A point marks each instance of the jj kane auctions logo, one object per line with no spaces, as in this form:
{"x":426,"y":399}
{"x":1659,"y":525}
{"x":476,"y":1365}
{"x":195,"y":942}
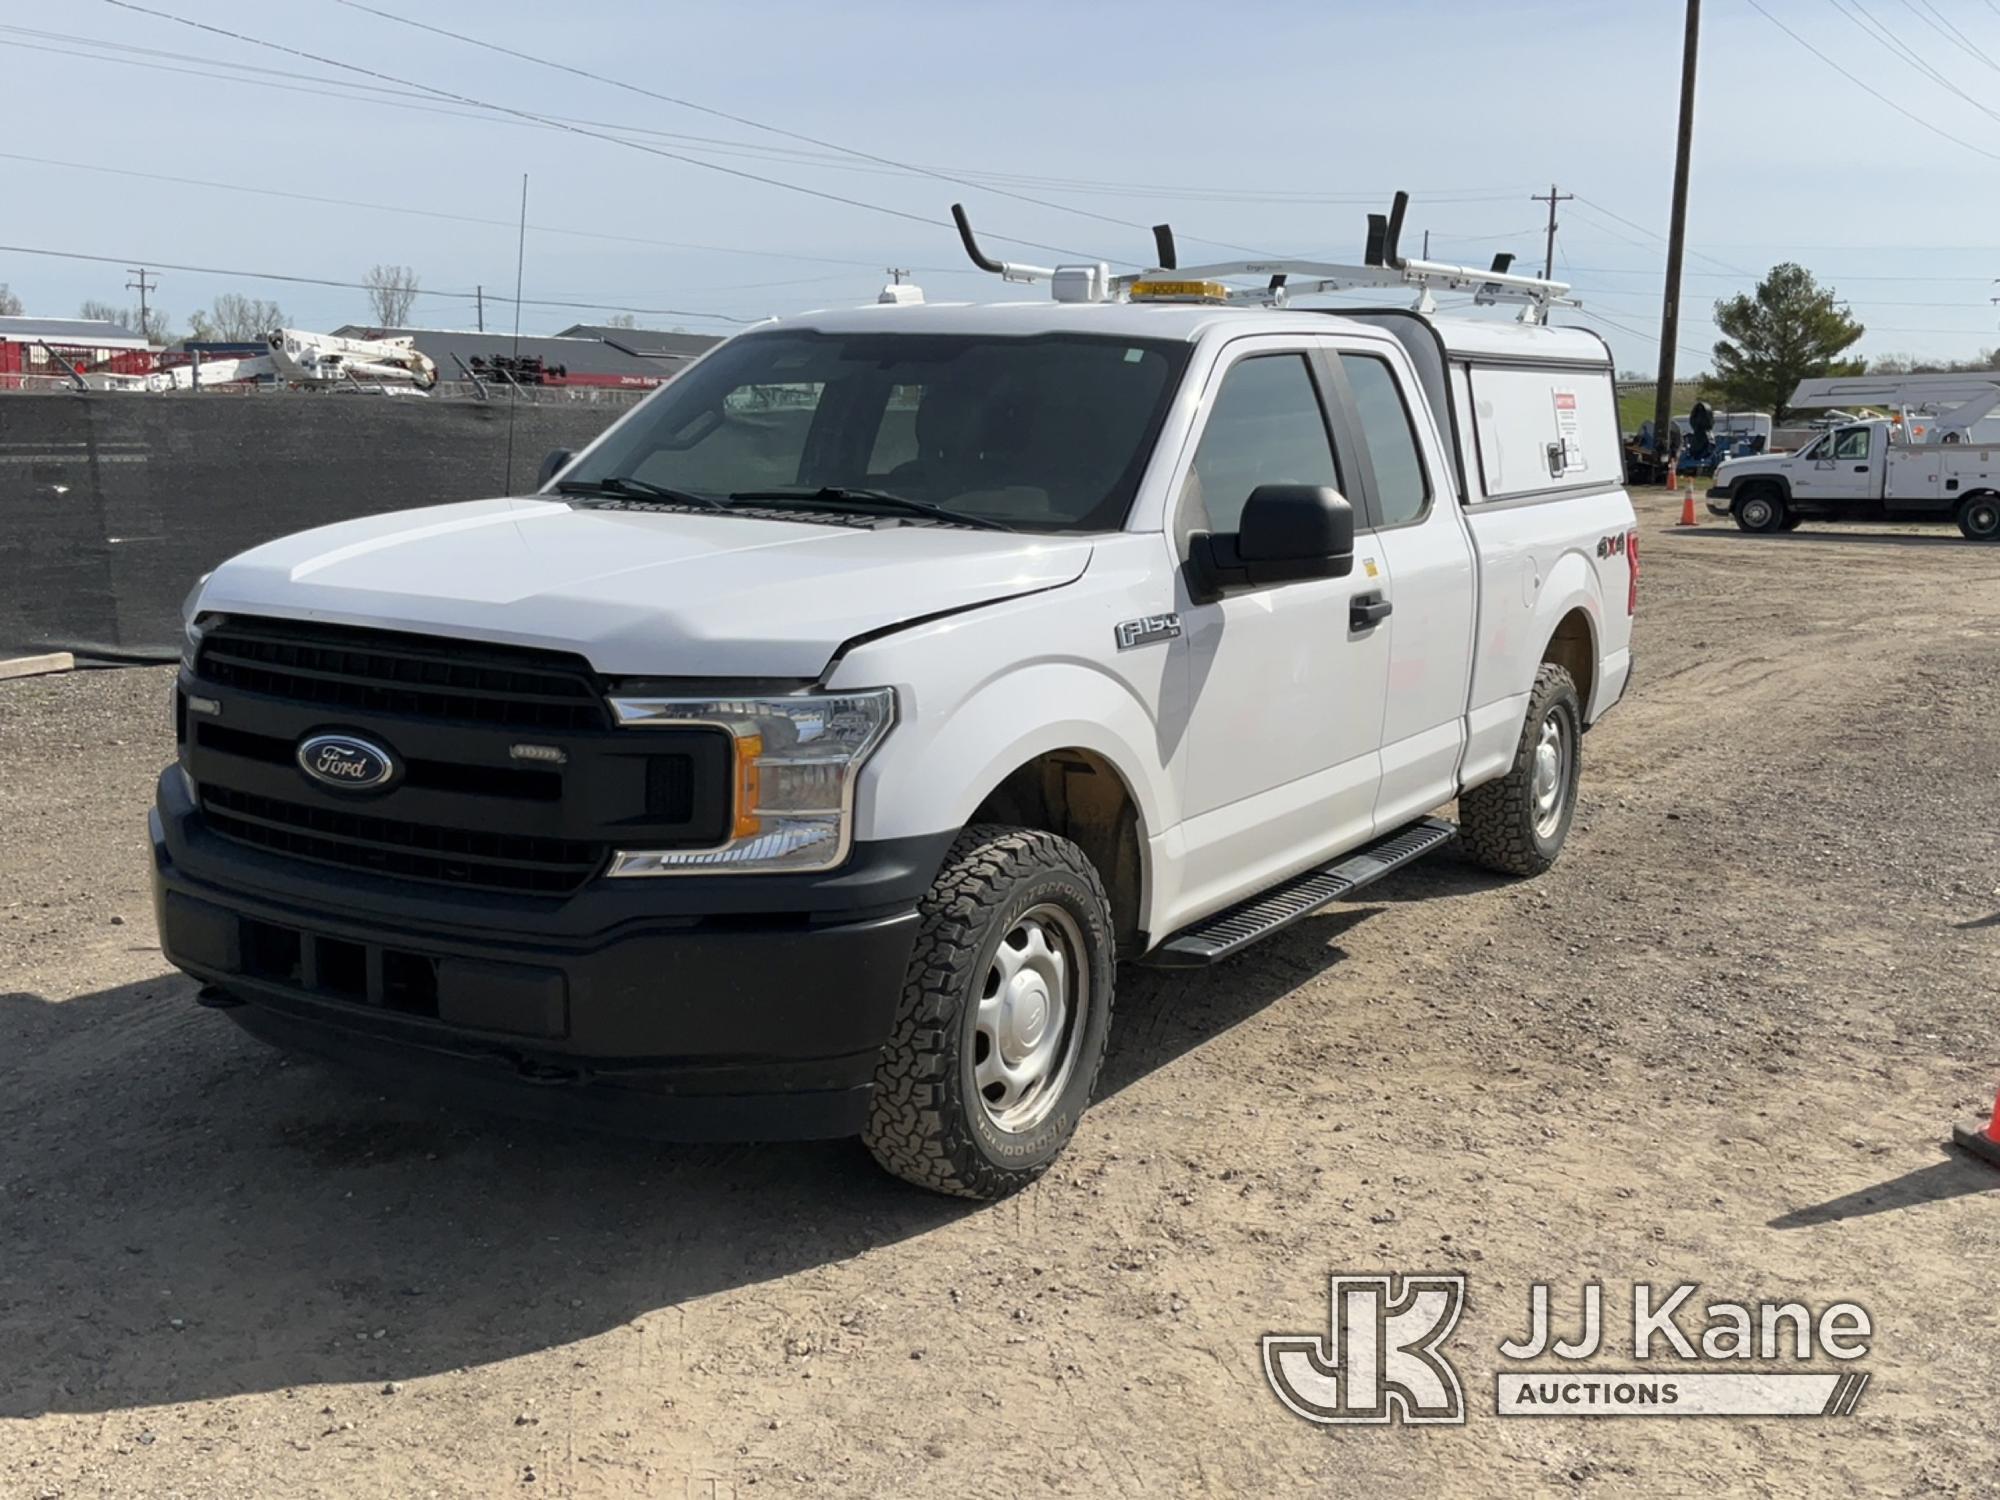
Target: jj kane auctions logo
{"x":1382,"y":1359}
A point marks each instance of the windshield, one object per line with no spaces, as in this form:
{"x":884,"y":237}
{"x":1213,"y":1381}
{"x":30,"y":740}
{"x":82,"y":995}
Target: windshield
{"x":1036,"y":434}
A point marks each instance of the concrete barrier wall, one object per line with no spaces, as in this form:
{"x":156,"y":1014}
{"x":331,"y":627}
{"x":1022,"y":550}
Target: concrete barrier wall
{"x":112,"y":505}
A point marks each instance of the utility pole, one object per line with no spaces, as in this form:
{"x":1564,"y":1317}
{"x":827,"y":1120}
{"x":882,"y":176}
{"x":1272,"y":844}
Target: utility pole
{"x":479,"y":300}
{"x":896,"y":275}
{"x":1552,"y":198}
{"x":142,"y":287}
{"x":1670,"y":311}
{"x":1427,"y":244}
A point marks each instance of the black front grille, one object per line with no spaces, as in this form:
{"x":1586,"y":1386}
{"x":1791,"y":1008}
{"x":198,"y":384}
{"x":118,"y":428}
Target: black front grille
{"x":412,"y":851}
{"x":382,"y":671}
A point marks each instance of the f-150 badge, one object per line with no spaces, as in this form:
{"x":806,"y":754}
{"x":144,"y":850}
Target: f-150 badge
{"x":1143,"y":632}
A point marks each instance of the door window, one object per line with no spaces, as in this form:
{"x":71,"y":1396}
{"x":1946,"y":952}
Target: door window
{"x":1852,"y":443}
{"x":1400,"y":484}
{"x":1266,"y":427}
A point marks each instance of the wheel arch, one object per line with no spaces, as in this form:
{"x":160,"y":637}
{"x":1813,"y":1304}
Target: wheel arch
{"x":1749,"y":484}
{"x":1081,"y":794}
{"x":1572,"y":645}
{"x":1569,"y":624}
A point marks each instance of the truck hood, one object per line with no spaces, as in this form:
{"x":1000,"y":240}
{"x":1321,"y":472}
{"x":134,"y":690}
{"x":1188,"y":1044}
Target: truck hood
{"x":655,"y":594}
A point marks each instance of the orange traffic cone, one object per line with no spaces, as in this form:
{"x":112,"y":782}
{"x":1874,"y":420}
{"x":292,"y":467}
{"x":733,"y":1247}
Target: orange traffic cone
{"x":1984,"y":1144}
{"x":1687,"y":506}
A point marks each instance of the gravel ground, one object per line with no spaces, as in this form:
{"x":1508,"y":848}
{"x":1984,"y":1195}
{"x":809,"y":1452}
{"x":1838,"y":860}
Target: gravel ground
{"x":1721,"y":1042}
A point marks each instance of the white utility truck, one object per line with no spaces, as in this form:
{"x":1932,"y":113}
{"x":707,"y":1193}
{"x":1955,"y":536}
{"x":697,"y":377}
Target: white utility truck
{"x":1934,"y":460}
{"x":802,"y":759}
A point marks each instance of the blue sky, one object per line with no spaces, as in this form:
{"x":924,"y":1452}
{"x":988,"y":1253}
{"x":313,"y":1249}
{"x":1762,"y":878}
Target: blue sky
{"x":1264,"y":125}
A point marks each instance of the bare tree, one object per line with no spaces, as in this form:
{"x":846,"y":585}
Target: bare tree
{"x":391,"y":291}
{"x":10,"y":305}
{"x":236,"y":319}
{"x":155,"y":327}
{"x":621,"y":320}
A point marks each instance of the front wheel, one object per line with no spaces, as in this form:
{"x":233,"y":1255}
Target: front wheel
{"x":1760,"y":511}
{"x":1004,"y":1016}
{"x":1979,"y":517}
{"x":1517,"y":825}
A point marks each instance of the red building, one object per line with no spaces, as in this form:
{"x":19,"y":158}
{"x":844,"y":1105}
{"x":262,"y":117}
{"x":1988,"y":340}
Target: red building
{"x":35,"y":349}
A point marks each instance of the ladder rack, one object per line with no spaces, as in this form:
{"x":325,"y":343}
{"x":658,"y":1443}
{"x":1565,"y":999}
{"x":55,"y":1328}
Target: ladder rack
{"x":1382,"y":266}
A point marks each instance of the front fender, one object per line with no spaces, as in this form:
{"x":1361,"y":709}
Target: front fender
{"x":933,"y":774}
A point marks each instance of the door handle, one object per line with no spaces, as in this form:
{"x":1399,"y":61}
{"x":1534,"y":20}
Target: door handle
{"x":1861,"y":468}
{"x":1366,"y":611}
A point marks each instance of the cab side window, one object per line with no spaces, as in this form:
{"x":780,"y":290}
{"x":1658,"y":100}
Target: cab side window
{"x":1265,"y":427}
{"x":1401,"y":486}
{"x":1852,"y":443}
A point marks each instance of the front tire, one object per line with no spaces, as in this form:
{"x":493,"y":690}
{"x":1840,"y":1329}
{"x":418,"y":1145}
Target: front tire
{"x":1762,"y":510}
{"x":1005,"y":1012}
{"x":1979,"y":517}
{"x":1517,"y":825}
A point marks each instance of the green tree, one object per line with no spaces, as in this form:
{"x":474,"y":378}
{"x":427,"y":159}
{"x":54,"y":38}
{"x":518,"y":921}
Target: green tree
{"x":1790,"y":329}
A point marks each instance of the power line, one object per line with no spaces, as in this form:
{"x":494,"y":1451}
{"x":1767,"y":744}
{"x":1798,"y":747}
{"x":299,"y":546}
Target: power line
{"x":897,"y":213}
{"x":1869,"y":89}
{"x":1653,"y":235}
{"x":1943,"y":27}
{"x":431,"y":213}
{"x":722,"y":114}
{"x":601,"y":306}
{"x":411,"y":99}
{"x":1882,"y":34}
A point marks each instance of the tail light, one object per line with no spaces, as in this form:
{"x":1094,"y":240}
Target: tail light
{"x":1632,"y":559}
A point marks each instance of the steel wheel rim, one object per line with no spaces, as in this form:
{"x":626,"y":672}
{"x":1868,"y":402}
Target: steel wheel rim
{"x":1553,"y":752}
{"x":1028,"y":1019}
{"x":1757,"y":513}
{"x":1985,"y":519}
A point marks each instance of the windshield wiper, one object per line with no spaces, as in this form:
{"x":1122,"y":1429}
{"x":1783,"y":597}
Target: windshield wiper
{"x":626,"y":489}
{"x":847,"y":495}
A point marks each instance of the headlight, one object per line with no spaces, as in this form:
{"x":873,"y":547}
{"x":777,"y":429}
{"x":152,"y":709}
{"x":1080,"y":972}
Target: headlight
{"x":190,"y":633}
{"x":795,"y":761}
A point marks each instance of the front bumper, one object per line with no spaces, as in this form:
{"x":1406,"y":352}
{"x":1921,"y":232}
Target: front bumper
{"x":659,"y":1005}
{"x":1720,"y":498}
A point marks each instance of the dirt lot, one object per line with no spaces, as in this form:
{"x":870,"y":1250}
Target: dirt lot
{"x":1721,"y":1043}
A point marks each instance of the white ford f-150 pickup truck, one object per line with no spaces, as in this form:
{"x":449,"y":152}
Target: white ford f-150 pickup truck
{"x":803,"y":758}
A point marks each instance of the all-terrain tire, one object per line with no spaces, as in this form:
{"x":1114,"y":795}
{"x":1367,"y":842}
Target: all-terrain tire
{"x":928,"y":1123}
{"x":1501,"y":824}
{"x":1979,"y":517}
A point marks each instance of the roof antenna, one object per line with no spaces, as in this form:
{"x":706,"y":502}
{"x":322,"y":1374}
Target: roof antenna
{"x":1163,"y":247}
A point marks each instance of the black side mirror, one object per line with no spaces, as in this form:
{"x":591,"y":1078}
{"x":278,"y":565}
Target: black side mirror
{"x":556,"y":461}
{"x":1289,"y":533}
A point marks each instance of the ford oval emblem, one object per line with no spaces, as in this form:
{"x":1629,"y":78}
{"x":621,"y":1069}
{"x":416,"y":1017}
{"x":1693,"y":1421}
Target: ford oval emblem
{"x":346,"y":761}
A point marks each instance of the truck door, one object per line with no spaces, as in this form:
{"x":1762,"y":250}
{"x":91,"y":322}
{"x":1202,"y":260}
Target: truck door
{"x":1286,"y":691}
{"x":1418,"y":540}
{"x":1845,"y":477}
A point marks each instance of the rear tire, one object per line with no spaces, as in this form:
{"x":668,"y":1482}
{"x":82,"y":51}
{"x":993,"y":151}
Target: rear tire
{"x":1761,"y":511}
{"x":1004,"y":1016}
{"x":1979,"y":517}
{"x":1517,"y":825}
